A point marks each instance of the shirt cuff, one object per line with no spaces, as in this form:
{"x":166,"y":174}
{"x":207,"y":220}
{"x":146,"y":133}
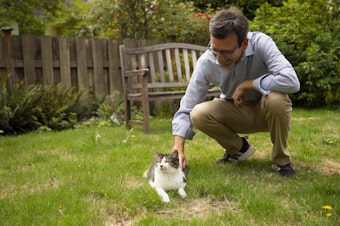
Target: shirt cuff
{"x":187,"y":134}
{"x":257,"y":84}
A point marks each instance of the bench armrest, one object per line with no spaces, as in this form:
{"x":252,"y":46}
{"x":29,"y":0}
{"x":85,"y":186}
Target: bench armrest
{"x":141,"y":72}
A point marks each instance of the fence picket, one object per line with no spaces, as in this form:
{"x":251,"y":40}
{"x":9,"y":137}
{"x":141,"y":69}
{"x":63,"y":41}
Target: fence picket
{"x":82,"y":76}
{"x":64,"y":59}
{"x":47,"y":60}
{"x":99,"y":79}
{"x":29,"y":59}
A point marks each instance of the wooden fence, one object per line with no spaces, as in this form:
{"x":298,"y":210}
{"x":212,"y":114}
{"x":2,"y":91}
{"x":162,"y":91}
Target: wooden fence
{"x":78,"y":62}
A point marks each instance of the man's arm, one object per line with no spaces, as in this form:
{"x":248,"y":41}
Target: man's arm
{"x":179,"y":146}
{"x":241,"y":89}
{"x":282,"y":77}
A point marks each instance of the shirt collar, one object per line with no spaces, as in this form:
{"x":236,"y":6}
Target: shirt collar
{"x":249,"y":50}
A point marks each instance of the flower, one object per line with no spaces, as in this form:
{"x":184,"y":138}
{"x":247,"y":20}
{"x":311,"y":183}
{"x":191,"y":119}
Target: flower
{"x":207,"y":16}
{"x":98,"y":137}
{"x":309,"y":119}
{"x":200,"y":15}
{"x":328,"y":214}
{"x":327,"y":207}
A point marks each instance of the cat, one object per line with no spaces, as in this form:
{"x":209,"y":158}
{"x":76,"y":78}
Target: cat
{"x":165,"y":174}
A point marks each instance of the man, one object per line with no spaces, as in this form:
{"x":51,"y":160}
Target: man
{"x":254,"y":79}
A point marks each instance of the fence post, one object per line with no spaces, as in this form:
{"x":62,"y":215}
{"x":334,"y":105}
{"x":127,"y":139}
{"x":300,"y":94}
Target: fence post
{"x":8,"y":42}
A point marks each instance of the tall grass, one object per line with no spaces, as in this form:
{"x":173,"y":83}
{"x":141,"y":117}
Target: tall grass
{"x":93,"y":176}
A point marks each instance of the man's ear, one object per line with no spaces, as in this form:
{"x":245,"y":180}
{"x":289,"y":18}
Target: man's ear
{"x":245,"y":43}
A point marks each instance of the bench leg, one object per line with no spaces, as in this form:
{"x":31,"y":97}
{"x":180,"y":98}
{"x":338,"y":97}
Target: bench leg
{"x":146,"y":115}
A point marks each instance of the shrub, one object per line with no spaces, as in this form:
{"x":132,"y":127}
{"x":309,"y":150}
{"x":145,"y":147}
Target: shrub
{"x":19,"y":112}
{"x":183,"y":21}
{"x":112,"y":108}
{"x":307,"y":32}
{"x":29,"y":108}
{"x":64,"y":106}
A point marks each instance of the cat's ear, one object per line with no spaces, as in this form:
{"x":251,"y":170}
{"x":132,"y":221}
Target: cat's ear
{"x":174,"y":154}
{"x":157,"y":154}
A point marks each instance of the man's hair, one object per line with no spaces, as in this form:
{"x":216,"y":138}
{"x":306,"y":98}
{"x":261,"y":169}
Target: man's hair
{"x":228,"y":21}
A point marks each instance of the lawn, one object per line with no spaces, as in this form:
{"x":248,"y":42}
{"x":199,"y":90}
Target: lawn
{"x":93,"y":176}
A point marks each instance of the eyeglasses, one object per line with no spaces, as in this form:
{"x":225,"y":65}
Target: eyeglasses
{"x":224,"y":53}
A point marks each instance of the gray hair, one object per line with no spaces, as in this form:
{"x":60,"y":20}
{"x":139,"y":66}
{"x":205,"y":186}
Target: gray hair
{"x":228,"y":21}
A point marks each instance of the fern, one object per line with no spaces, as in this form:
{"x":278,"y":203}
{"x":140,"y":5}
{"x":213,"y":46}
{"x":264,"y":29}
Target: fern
{"x":29,"y":108}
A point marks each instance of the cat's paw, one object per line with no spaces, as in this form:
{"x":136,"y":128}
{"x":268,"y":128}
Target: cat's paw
{"x":165,"y":199}
{"x":182,"y":193}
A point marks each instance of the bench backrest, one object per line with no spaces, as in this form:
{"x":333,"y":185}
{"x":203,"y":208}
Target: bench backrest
{"x":170,"y":64}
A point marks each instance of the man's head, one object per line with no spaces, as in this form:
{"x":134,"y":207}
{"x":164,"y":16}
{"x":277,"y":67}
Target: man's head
{"x":228,"y":35}
{"x":228,"y":21}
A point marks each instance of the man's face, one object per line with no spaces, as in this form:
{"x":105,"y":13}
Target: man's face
{"x":227,"y":51}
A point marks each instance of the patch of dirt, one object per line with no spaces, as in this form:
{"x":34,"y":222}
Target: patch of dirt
{"x":119,"y":221}
{"x":331,"y":167}
{"x":200,"y":208}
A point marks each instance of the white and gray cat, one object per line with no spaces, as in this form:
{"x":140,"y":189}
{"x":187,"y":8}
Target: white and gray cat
{"x":165,"y":174}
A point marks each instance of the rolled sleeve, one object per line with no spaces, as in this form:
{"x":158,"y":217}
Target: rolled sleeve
{"x":181,"y":127}
{"x":285,"y":81}
{"x":257,"y":84}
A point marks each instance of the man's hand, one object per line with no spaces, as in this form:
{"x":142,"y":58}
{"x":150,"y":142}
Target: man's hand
{"x":179,"y":146}
{"x":241,"y":89}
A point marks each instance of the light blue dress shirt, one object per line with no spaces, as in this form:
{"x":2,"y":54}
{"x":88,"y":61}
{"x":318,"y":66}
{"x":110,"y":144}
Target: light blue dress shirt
{"x":262,"y":62}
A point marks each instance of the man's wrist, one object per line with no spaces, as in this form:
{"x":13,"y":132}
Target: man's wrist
{"x":179,"y":143}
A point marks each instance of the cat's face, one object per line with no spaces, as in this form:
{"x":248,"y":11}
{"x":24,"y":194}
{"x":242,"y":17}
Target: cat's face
{"x":166,"y":161}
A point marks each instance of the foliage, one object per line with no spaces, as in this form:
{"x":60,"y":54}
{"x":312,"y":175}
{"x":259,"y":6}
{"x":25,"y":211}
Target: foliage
{"x":308,"y":33}
{"x":71,"y":20}
{"x":19,"y":112}
{"x":29,"y":108}
{"x":115,"y":18}
{"x":30,"y":15}
{"x":112,"y":109}
{"x":62,"y":107}
{"x":134,"y":19}
{"x":183,"y":21}
{"x":113,"y":103}
{"x":247,"y":6}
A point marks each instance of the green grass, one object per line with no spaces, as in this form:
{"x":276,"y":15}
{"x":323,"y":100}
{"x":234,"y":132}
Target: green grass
{"x":93,"y":176}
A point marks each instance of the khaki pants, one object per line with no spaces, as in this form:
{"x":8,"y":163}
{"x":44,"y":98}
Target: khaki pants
{"x":222,"y":120}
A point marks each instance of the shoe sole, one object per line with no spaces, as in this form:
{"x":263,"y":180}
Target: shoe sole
{"x":246,"y":155}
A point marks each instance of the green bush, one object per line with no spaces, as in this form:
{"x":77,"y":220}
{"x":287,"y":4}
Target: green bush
{"x":308,"y":34}
{"x":44,"y":107}
{"x":135,"y":20}
{"x":183,"y":21}
{"x":19,"y":112}
{"x":63,"y":106}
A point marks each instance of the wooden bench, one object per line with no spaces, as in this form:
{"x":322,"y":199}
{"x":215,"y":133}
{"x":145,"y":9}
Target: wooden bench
{"x":157,"y":72}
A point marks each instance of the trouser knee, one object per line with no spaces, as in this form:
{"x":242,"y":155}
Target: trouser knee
{"x":276,"y":103}
{"x":199,"y":115}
